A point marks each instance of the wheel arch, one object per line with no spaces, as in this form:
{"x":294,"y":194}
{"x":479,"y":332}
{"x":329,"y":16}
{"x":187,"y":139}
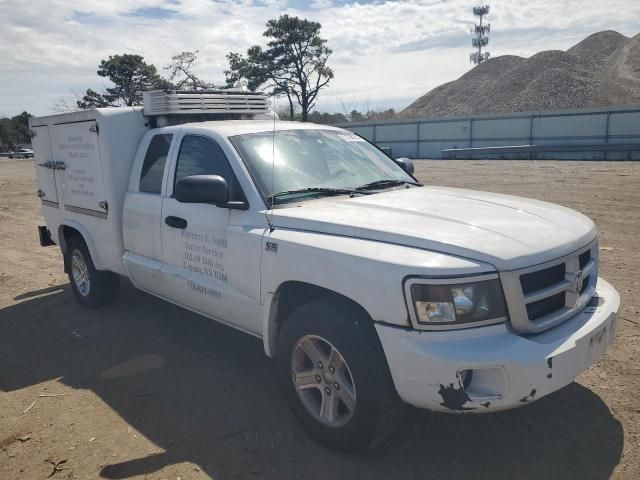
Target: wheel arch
{"x":290,"y":295}
{"x":68,"y":229}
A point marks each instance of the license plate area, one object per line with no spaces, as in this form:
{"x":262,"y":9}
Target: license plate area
{"x":599,"y":341}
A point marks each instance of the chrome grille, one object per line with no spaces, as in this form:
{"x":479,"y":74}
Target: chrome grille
{"x":543,"y":296}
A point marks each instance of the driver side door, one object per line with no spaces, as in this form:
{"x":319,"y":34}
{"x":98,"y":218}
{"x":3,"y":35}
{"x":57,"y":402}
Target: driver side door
{"x":200,"y":261}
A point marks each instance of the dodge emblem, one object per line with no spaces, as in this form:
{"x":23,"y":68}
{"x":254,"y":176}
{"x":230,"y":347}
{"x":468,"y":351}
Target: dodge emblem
{"x":578,"y":281}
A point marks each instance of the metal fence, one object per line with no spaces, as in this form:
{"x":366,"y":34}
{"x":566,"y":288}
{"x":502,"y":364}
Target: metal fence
{"x":536,"y":132}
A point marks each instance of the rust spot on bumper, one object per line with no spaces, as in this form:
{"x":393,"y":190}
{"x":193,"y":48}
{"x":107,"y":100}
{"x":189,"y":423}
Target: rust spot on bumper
{"x":454,"y":398}
{"x":529,"y":397}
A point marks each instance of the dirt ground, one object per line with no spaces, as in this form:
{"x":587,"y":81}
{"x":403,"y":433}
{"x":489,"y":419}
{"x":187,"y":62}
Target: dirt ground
{"x":144,"y":389}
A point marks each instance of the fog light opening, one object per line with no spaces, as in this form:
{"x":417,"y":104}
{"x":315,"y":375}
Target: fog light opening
{"x":484,"y":383}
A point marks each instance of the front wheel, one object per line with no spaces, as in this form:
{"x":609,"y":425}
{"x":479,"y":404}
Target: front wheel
{"x":91,"y":287}
{"x":335,"y":377}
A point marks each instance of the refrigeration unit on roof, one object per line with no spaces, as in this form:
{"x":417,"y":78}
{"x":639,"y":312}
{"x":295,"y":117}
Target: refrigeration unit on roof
{"x":210,"y":102}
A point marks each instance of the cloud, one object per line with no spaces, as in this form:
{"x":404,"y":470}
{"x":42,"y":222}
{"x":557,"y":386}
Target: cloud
{"x":443,"y":41}
{"x":153,"y":12}
{"x":384,"y":51}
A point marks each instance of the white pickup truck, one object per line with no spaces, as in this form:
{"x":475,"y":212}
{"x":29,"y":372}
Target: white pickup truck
{"x":369,"y":290}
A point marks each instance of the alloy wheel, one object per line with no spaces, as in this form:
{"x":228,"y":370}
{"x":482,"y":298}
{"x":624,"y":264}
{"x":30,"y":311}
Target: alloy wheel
{"x":80,"y":273}
{"x":323,"y":381}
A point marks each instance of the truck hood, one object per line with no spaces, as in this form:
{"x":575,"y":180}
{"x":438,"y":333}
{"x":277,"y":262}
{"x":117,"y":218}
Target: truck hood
{"x":506,"y":231}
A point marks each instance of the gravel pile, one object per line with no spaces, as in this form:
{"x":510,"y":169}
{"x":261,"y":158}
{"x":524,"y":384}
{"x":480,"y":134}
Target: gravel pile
{"x":602,"y":70}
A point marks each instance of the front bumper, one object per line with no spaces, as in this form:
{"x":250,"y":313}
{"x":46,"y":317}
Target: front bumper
{"x":508,"y":370}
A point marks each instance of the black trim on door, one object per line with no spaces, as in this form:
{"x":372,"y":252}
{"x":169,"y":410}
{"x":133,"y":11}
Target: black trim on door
{"x":176,"y":222}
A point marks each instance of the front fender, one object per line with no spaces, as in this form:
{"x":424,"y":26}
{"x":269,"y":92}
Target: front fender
{"x":368,"y":272}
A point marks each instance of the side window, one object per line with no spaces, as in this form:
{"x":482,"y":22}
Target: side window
{"x":153,"y":165}
{"x":202,"y":156}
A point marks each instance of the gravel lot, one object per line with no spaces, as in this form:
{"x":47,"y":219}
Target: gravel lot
{"x":143,"y":389}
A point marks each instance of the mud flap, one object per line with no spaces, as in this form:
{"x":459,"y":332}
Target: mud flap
{"x":45,"y":236}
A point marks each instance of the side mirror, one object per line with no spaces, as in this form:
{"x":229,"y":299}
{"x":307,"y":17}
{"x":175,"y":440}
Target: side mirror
{"x":406,"y":164}
{"x":211,"y":189}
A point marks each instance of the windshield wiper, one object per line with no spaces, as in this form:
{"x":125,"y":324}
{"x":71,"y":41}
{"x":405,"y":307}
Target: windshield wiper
{"x":316,"y":190}
{"x":378,"y":184}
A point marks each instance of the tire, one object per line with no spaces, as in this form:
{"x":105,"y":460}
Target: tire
{"x":91,"y":287}
{"x":333,"y":328}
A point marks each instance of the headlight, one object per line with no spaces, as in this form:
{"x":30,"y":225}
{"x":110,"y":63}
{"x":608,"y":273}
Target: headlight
{"x":436,"y":304}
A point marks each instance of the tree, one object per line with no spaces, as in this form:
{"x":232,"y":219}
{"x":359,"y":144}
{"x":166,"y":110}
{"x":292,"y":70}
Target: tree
{"x":93,"y":99}
{"x":130,"y":76}
{"x":15,"y":130}
{"x":181,"y":72}
{"x":293,"y":64}
{"x":327,"y":118}
{"x":356,"y":116}
{"x":256,"y":71}
{"x":20,"y":124}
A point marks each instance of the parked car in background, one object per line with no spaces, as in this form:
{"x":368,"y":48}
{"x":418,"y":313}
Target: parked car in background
{"x":21,"y":153}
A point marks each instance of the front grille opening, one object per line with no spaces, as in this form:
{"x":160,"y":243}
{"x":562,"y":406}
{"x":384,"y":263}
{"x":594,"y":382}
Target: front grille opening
{"x":545,"y":306}
{"x":542,"y":278}
{"x":584,"y":258}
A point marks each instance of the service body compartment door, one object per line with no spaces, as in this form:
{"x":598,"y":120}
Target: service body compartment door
{"x":76,"y":156}
{"x":44,"y":165}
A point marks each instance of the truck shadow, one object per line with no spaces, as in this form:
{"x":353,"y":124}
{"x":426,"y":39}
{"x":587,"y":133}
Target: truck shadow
{"x":206,"y":394}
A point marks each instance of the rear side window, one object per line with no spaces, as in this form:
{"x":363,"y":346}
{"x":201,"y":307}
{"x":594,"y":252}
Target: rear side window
{"x":154,"y":161}
{"x":203,"y":156}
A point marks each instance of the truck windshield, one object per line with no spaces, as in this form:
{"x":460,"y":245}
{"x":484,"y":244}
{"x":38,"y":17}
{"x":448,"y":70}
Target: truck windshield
{"x":297,"y":160}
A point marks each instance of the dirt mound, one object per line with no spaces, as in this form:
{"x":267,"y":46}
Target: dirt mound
{"x":601,"y":70}
{"x":599,"y":46}
{"x":460,"y":96}
{"x":621,"y":84}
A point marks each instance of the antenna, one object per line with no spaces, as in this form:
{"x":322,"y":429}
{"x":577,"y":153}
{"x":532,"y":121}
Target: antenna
{"x":273,"y":168}
{"x":273,"y":148}
{"x":480,"y":39}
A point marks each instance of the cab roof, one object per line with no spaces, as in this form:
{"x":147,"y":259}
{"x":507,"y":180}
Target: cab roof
{"x":229,"y":128}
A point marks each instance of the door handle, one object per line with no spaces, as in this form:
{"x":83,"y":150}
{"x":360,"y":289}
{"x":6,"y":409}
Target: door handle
{"x":176,"y":222}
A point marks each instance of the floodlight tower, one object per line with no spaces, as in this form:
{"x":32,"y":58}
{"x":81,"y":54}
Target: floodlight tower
{"x":480,"y":39}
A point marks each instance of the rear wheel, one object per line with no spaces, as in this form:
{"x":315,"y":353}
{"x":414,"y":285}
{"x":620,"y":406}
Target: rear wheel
{"x":335,"y":377}
{"x":91,"y":287}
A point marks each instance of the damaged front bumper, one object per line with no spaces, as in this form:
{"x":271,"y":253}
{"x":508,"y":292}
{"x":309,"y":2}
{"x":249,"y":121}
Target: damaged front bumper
{"x":493,"y":368}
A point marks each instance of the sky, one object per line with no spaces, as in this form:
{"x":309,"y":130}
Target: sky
{"x":385,"y":53}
